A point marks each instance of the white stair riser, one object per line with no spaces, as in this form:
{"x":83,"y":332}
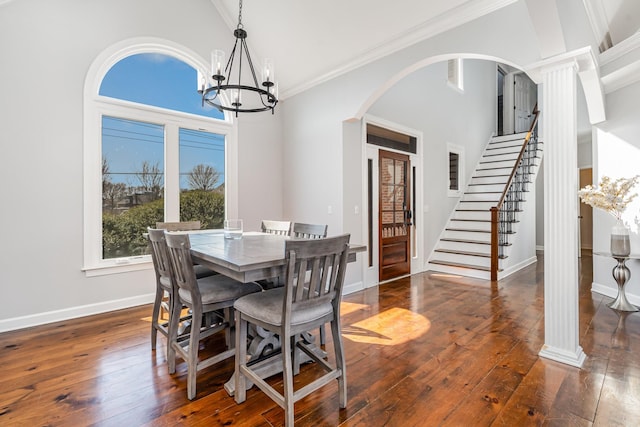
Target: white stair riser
{"x":476,"y":205}
{"x":478,"y":274}
{"x":504,"y":164}
{"x":503,"y":148}
{"x":492,"y":172}
{"x":507,"y":157}
{"x":466,"y":235}
{"x":470,"y":225}
{"x":505,"y":138}
{"x":481,"y":197}
{"x":468,"y":247}
{"x":495,"y":188}
{"x":502,"y":180}
{"x":485,"y":215}
{"x":462,"y":259}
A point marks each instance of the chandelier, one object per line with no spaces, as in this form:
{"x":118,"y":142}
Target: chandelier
{"x":244,"y":96}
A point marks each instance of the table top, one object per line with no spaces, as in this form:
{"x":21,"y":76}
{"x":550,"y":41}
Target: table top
{"x":255,"y":256}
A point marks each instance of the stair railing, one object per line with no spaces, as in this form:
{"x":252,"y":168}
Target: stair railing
{"x":503,"y":215}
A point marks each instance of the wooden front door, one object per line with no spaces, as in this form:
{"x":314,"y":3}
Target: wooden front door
{"x":394,"y":215}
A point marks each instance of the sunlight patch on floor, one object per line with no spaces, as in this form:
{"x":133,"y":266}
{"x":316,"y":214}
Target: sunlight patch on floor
{"x":351,"y":307}
{"x":391,"y":327}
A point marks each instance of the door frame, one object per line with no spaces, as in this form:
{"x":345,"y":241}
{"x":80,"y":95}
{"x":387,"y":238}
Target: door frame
{"x":370,"y":152}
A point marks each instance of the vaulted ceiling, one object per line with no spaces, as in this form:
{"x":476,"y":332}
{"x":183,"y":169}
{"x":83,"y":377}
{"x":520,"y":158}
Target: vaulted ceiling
{"x":313,"y":41}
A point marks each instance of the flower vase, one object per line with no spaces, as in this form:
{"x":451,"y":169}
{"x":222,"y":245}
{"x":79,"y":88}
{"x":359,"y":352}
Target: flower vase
{"x":620,"y":245}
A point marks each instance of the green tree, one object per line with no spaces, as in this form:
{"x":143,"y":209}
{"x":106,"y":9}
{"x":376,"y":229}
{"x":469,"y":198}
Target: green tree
{"x":204,"y":206}
{"x":122,"y":235}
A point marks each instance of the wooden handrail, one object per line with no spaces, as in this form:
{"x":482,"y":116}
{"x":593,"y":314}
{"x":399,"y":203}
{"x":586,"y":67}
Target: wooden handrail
{"x":496,"y":209}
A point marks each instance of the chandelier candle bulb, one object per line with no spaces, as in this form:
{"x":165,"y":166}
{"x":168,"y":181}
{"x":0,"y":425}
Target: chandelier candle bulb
{"x":268,"y":73}
{"x":217,"y":59}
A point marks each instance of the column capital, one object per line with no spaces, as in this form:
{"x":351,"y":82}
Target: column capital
{"x":586,"y":65}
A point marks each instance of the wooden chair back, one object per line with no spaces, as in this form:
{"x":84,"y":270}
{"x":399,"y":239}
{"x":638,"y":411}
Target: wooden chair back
{"x":315,"y":272}
{"x":276,"y":227}
{"x":308,"y":231}
{"x":179,"y":225}
{"x":160,"y":257}
{"x":179,"y":248}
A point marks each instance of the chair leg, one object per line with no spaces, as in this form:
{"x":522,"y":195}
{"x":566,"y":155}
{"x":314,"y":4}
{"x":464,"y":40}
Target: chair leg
{"x":295,"y":354}
{"x":155,"y":316}
{"x":174,"y":323}
{"x":323,"y":335}
{"x":192,"y":357}
{"x":240,"y":393}
{"x":230,"y":331}
{"x":287,"y":379}
{"x":340,"y":362}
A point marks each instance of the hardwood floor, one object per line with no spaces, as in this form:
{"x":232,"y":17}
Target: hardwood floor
{"x":427,"y":350}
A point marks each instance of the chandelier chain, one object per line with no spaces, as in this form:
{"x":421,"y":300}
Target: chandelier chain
{"x":240,"y":16}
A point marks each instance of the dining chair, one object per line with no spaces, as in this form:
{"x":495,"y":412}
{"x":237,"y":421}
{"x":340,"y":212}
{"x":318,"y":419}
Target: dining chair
{"x":201,"y":271}
{"x":211,"y":297}
{"x":308,"y":231}
{"x":276,"y":227}
{"x":164,"y":284}
{"x":301,"y":230}
{"x":311,"y":296}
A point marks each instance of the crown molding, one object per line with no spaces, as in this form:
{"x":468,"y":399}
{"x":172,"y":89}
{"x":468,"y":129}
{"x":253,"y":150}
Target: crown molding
{"x":432,"y":27}
{"x":621,"y":49}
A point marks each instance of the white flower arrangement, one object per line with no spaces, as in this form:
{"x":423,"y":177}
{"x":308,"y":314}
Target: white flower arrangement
{"x":612,"y":196}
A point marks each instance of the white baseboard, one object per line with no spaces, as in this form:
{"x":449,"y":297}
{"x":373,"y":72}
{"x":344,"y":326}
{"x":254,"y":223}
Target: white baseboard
{"x":539,"y":248}
{"x":610,"y":292}
{"x":352,"y":287}
{"x":73,"y":312}
{"x":512,"y":269}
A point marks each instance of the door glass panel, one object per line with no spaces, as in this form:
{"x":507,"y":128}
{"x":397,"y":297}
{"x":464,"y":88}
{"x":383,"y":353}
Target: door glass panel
{"x":399,"y":170}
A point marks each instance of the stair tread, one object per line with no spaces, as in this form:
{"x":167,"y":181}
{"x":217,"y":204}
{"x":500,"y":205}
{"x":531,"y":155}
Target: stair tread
{"x":501,"y":154}
{"x":468,"y":230}
{"x":489,"y":183}
{"x":474,"y":242}
{"x":461,"y":265}
{"x":470,"y":220}
{"x":470,"y":241}
{"x":489,"y":176}
{"x":469,"y":253}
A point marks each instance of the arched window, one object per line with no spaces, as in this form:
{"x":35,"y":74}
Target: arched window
{"x":153,"y":153}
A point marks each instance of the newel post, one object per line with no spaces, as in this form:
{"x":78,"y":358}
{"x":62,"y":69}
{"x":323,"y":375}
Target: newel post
{"x":494,"y":244}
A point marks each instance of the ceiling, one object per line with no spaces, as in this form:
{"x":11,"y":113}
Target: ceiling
{"x":314,"y":41}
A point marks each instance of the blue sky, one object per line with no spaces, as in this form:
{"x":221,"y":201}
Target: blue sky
{"x":161,"y":81}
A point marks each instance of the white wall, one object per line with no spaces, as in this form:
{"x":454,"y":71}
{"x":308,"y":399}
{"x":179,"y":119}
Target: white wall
{"x":313,"y":133}
{"x":617,"y":154}
{"x":47,"y":48}
{"x":425,"y":102}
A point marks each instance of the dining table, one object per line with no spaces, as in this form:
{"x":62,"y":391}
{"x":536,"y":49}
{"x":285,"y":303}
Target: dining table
{"x":253,"y":257}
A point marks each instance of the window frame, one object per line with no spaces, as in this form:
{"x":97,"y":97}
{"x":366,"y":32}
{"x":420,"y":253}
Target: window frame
{"x":459,"y":150}
{"x":97,"y":106}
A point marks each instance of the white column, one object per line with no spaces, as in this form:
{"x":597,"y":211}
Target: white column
{"x":561,"y":279}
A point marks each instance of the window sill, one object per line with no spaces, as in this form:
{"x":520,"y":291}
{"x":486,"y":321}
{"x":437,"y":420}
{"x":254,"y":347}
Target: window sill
{"x":120,"y":266}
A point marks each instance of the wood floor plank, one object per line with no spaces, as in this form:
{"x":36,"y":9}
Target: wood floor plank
{"x":429,"y":349}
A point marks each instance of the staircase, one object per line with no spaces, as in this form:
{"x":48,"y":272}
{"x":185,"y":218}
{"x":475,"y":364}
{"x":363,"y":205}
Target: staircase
{"x":464,"y":247}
